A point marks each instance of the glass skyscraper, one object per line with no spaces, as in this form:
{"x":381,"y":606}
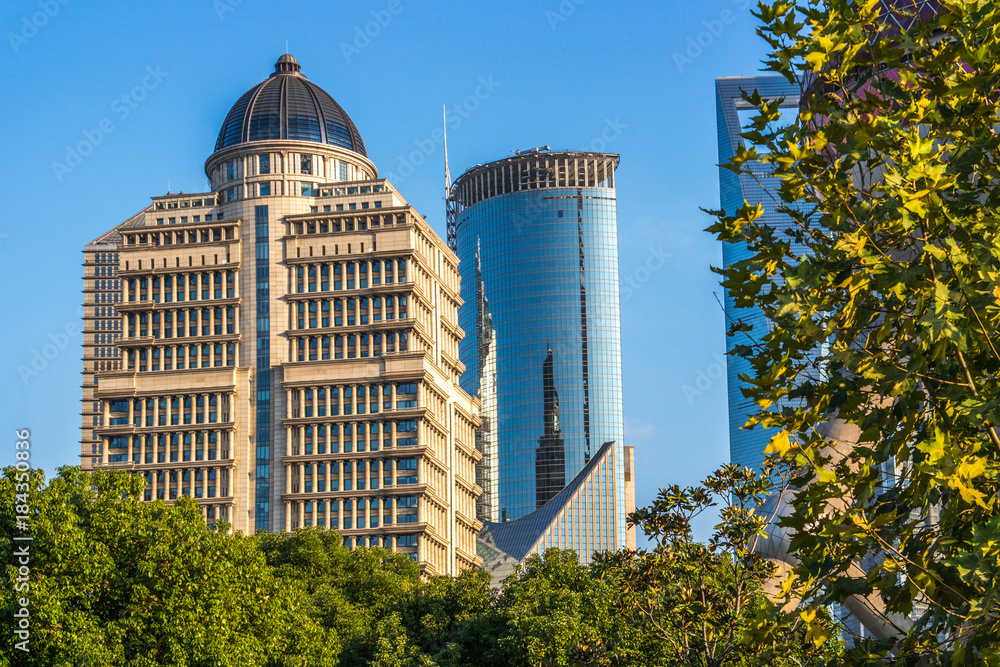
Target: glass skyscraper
{"x":746,"y":447}
{"x":538,"y":242}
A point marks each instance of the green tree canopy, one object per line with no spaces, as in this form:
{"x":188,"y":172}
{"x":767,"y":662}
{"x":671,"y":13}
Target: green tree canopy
{"x":881,"y":370}
{"x":117,"y":581}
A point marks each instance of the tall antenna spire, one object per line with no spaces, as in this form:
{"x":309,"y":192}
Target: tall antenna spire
{"x":447,"y":173}
{"x":450,"y":205}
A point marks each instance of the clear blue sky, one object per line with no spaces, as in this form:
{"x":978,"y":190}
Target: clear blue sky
{"x":561,"y":73}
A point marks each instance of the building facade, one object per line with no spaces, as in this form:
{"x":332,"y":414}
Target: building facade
{"x":746,"y":447}
{"x":576,"y":517}
{"x":286,"y":346}
{"x":537,"y":238}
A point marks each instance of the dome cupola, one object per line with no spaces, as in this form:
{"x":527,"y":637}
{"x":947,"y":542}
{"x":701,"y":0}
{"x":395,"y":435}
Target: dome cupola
{"x":289,"y":106}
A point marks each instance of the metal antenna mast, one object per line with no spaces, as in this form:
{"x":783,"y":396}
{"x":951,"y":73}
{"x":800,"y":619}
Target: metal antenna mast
{"x":451,"y":206}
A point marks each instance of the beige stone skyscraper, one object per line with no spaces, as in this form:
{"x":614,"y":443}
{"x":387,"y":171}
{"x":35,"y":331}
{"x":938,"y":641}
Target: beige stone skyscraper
{"x":284,"y":348}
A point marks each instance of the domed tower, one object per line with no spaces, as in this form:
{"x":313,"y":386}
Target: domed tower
{"x":285,"y":135}
{"x":288,"y":347}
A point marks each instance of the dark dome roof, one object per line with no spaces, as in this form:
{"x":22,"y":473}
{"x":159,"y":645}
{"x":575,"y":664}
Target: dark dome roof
{"x":289,"y":106}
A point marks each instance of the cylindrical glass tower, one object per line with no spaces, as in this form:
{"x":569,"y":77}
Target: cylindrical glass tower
{"x":537,"y":237}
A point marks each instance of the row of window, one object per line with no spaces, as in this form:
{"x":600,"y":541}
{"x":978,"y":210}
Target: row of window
{"x":101,"y":352}
{"x":199,"y":492}
{"x":180,"y":237}
{"x":345,"y":224}
{"x":174,"y":402}
{"x":210,"y":454}
{"x":315,"y":401}
{"x":309,"y":165}
{"x":312,"y":190}
{"x":183,"y":322}
{"x":106,"y":257}
{"x":318,"y":275}
{"x":358,"y":311}
{"x":161,"y":441}
{"x":404,"y":513}
{"x":322,"y":348}
{"x":189,"y":286}
{"x":184,"y":219}
{"x":359,"y":437}
{"x":197,"y":475}
{"x":185,"y":203}
{"x":180,"y":357}
{"x":406,"y":474}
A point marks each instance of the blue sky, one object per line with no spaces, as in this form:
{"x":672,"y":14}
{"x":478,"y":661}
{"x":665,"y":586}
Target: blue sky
{"x":149,"y":84}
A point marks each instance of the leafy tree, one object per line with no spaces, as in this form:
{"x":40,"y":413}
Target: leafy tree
{"x":116,"y":581}
{"x":705,"y":602}
{"x":551,"y":606}
{"x":884,"y":354}
{"x":354,"y":594}
{"x":455,"y":620}
{"x":375,"y":600}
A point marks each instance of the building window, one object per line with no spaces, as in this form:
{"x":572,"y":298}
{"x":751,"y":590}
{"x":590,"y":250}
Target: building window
{"x":305,"y":164}
{"x":265,"y":164}
{"x":265,"y":189}
{"x":231,"y":170}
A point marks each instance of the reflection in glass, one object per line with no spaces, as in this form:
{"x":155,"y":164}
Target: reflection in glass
{"x":550,"y":461}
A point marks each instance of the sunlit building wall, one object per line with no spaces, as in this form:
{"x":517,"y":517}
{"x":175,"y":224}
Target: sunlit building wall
{"x":283,"y":349}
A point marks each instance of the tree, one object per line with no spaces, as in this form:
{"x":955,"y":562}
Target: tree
{"x":554,"y":609}
{"x":352,"y":593}
{"x":455,"y":620}
{"x":881,"y":370}
{"x":375,"y":600}
{"x":116,"y":581}
{"x":705,"y":602}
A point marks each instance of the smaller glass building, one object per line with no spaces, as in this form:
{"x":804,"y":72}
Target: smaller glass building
{"x":537,"y":237}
